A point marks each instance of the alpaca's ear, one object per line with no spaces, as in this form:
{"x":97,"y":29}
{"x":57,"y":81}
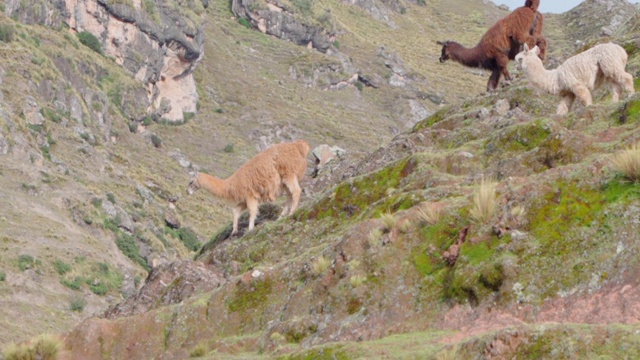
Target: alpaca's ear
{"x":440,"y":43}
{"x":536,"y":50}
{"x":526,"y":47}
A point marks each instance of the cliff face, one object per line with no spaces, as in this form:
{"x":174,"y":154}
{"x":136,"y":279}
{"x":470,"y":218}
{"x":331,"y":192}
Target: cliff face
{"x":156,"y":44}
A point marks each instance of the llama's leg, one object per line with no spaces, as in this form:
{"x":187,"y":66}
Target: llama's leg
{"x":492,"y":84}
{"x":565,"y":104}
{"x":286,"y":206}
{"x":616,"y":90}
{"x":583,"y":93}
{"x":293,"y":188}
{"x":252,"y":205}
{"x":503,"y":62}
{"x":237,"y":210}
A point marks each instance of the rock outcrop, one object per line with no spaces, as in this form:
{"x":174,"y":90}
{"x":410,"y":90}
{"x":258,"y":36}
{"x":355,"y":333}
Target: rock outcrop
{"x":157,"y":45}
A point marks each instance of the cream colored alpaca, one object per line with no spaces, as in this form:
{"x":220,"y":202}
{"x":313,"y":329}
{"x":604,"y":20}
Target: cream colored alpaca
{"x":580,"y":74}
{"x":261,"y":179}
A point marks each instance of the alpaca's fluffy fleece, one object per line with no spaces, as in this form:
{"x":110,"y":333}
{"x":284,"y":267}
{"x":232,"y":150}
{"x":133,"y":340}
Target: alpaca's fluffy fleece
{"x":261,"y":179}
{"x":580,"y":74}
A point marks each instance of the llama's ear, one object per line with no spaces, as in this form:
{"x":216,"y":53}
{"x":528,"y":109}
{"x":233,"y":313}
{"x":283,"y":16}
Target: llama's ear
{"x":526,"y":47}
{"x":440,"y":43}
{"x":536,"y":50}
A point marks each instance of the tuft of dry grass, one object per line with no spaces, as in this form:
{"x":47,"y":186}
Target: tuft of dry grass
{"x":43,"y":347}
{"x":390,"y":221}
{"x":320,"y":265}
{"x":484,"y":201}
{"x":357,"y":280}
{"x":429,"y":213}
{"x":627,"y":162}
{"x":199,"y":351}
{"x":374,"y":237}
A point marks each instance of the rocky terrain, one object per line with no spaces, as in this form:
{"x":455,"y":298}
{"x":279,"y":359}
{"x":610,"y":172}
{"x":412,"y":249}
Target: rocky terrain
{"x":106,"y":106}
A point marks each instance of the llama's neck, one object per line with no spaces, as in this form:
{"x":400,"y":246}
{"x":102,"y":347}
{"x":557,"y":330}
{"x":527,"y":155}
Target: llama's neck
{"x":540,"y":77}
{"x":473,"y":57}
{"x":214,"y":185}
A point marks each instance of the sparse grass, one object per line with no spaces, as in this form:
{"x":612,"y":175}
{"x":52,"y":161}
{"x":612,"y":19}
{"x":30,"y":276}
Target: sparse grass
{"x":429,"y":213}
{"x":484,"y":201}
{"x":43,"y":347}
{"x":627,"y":162}
{"x":7,"y":32}
{"x":320,"y":265}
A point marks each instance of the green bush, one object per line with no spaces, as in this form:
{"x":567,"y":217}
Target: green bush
{"x":26,"y":262}
{"x":156,"y":140}
{"x":3,"y":276}
{"x":61,"y":267}
{"x":90,"y":41}
{"x":228,"y":148}
{"x":127,"y":244}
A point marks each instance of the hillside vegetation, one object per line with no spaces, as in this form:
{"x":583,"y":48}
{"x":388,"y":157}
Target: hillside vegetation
{"x":485,"y":228}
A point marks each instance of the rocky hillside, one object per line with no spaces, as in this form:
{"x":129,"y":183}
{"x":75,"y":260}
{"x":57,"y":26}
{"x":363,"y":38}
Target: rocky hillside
{"x":387,"y":256}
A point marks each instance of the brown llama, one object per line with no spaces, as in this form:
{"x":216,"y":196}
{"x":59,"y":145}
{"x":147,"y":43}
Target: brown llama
{"x":261,"y":179}
{"x":501,"y":43}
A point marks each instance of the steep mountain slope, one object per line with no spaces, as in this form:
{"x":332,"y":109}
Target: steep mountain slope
{"x":91,"y":167}
{"x":358,"y":261}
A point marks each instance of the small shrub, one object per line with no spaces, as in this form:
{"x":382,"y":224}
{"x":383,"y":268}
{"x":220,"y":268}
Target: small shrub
{"x":219,"y":110}
{"x":484,"y":201}
{"x":91,"y":41}
{"x":77,"y":303}
{"x":61,"y":267}
{"x":320,"y":265}
{"x":7,"y":32}
{"x":26,"y":262}
{"x":3,"y":276}
{"x":228,"y":148}
{"x":627,"y":162}
{"x":359,"y":85}
{"x":156,"y":140}
{"x":111,"y":198}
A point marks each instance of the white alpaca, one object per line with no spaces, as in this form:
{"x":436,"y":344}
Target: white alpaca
{"x":261,"y":179}
{"x":580,"y":74}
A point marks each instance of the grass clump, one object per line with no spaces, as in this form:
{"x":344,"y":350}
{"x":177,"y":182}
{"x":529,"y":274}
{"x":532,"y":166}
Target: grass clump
{"x":429,"y":213}
{"x":484,"y":201}
{"x":199,"y":351}
{"x":357,"y":280}
{"x":250,"y":296}
{"x":26,"y":262}
{"x":627,"y":162}
{"x":320,"y":265}
{"x":3,"y":276}
{"x":390,"y":221}
{"x":127,"y":244}
{"x":43,"y":347}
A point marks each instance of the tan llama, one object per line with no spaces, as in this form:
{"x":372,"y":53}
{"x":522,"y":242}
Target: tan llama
{"x":261,"y":179}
